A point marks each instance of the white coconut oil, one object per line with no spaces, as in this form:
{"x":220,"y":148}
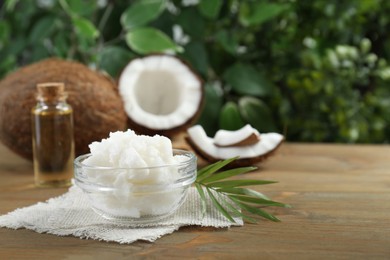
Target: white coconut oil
{"x":140,"y":171}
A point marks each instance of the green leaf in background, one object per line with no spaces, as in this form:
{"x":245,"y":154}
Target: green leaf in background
{"x":195,"y":52}
{"x":192,"y":23}
{"x":141,"y":13}
{"x":246,"y":80}
{"x":227,"y":41}
{"x":6,"y":62}
{"x":17,"y":46}
{"x":78,"y":8}
{"x":230,"y":118}
{"x":257,"y":113}
{"x":61,"y":41}
{"x":9,"y":53}
{"x":212,"y":106}
{"x":210,"y":8}
{"x":259,"y":12}
{"x":39,"y":52}
{"x":148,"y":40}
{"x":85,"y":28}
{"x":4,"y":33}
{"x":113,"y":59}
{"x":41,"y":29}
{"x":10,"y":5}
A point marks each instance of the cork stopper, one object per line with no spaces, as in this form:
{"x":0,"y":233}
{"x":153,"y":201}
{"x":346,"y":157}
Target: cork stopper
{"x":51,"y":91}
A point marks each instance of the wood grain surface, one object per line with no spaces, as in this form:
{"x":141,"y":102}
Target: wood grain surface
{"x":341,"y":210}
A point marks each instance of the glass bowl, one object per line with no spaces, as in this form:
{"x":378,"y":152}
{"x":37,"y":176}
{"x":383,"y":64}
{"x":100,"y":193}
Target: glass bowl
{"x":137,"y":195}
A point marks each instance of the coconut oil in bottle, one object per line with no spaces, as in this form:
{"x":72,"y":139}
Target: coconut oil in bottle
{"x":52,"y":135}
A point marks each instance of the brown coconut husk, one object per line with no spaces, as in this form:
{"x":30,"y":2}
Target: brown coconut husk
{"x":98,"y":109}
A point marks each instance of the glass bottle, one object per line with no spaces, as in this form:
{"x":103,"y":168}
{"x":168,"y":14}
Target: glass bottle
{"x":52,"y":135}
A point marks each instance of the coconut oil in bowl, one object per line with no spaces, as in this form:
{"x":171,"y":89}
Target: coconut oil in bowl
{"x":137,"y":195}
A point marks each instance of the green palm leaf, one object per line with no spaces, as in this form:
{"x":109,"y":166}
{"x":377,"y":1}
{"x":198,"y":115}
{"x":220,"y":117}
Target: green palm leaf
{"x":259,"y":201}
{"x":243,"y":191}
{"x":220,"y":207}
{"x":229,"y":197}
{"x":204,"y":173}
{"x":235,"y":211}
{"x":238,"y":183}
{"x":202,"y":197}
{"x":227,"y":174}
{"x":256,"y":211}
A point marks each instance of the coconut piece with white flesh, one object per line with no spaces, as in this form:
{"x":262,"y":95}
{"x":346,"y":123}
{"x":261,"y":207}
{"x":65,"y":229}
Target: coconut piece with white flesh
{"x":249,"y":154}
{"x":246,"y":135}
{"x":161,"y":94}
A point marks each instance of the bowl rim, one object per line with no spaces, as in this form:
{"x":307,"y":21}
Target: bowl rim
{"x":192,"y":158}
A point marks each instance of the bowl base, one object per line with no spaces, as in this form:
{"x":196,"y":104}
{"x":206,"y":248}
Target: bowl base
{"x":131,"y":220}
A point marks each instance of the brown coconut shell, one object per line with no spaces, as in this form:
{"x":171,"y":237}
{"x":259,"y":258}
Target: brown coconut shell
{"x":98,"y":109}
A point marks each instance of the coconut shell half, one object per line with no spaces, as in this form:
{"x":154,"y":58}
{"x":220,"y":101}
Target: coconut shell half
{"x":98,"y":109}
{"x":161,"y":94}
{"x":247,"y":155}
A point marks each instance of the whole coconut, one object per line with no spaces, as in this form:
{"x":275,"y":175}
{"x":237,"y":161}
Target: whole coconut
{"x":98,"y":109}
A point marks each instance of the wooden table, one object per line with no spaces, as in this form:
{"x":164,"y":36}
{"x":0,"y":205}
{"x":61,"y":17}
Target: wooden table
{"x":341,"y":210}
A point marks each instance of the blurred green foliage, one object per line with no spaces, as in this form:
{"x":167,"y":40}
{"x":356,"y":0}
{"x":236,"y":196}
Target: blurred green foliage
{"x":313,"y":70}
